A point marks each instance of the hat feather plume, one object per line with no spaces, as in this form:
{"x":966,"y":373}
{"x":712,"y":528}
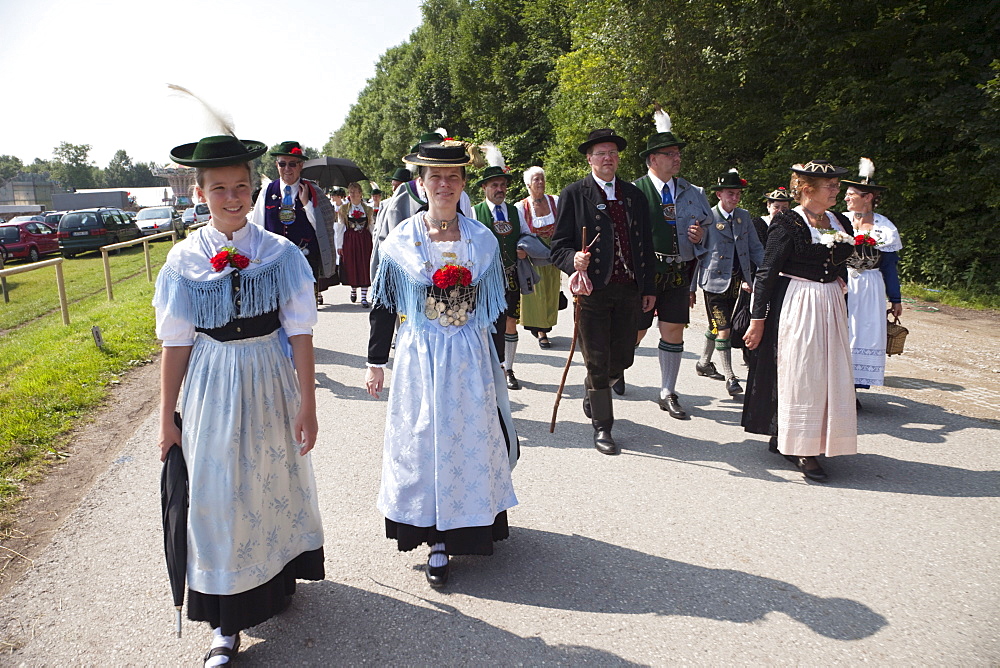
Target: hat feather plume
{"x":662,"y":120}
{"x":494,"y":158}
{"x":221,"y":123}
{"x":866,"y":168}
{"x":442,"y":132}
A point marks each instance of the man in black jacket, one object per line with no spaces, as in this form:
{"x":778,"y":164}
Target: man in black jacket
{"x":620,"y":263}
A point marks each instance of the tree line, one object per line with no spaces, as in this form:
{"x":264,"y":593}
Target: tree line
{"x":72,"y":168}
{"x":753,"y":84}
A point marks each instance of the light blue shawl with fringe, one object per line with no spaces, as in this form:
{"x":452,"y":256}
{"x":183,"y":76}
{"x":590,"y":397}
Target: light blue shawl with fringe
{"x":406,"y":268}
{"x":188,"y":288}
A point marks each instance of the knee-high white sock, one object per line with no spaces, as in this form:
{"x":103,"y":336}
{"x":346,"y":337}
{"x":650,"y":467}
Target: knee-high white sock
{"x":437,"y":559}
{"x":670,"y":364}
{"x":706,"y":355}
{"x":726,"y":357}
{"x":509,"y":350}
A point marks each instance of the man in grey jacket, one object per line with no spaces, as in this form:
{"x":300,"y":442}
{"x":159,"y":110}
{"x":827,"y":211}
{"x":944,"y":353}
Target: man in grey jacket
{"x":733,"y":253}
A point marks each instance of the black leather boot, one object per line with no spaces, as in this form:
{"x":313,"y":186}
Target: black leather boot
{"x":603,"y":419}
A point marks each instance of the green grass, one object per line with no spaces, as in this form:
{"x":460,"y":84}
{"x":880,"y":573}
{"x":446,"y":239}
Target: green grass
{"x":52,"y":375}
{"x":959,"y":297}
{"x":34,"y":293}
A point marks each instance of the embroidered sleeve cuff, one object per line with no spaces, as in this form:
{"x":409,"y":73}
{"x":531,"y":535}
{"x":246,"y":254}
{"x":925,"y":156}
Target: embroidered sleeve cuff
{"x":374,"y":366}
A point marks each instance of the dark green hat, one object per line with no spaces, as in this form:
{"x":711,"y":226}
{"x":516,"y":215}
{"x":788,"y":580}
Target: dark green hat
{"x":779,"y":194}
{"x":443,"y":154}
{"x":217,"y":151}
{"x":662,"y":140}
{"x":427,"y":138}
{"x":290,"y":148}
{"x":730,"y":179}
{"x":401,"y":174}
{"x":600,"y":136}
{"x":376,"y":191}
{"x":819,"y":168}
{"x":492,"y":173}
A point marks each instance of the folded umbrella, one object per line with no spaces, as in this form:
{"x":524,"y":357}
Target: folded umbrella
{"x":174,"y":504}
{"x":329,"y":172}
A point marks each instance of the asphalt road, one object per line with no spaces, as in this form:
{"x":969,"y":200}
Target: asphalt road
{"x":695,"y":545}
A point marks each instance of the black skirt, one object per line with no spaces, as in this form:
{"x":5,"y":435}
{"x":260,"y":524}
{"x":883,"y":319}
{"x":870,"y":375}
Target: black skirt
{"x":465,"y":540}
{"x":760,"y":402}
{"x":235,"y":612}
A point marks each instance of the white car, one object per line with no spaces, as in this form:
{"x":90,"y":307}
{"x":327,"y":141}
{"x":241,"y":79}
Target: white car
{"x":157,"y":219}
{"x":196,"y":214}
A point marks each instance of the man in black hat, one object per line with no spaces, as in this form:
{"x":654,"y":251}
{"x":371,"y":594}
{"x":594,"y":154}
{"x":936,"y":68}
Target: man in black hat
{"x":619,"y":262}
{"x":508,"y":225}
{"x":733,"y":253}
{"x":296,"y":208}
{"x":408,"y":198}
{"x":678,"y":212}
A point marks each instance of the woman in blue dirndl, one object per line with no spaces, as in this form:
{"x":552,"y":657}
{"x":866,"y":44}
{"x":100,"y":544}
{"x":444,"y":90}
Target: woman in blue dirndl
{"x":249,"y":418}
{"x":450,"y":443}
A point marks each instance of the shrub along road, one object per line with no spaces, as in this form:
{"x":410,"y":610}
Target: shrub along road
{"x":695,"y":545}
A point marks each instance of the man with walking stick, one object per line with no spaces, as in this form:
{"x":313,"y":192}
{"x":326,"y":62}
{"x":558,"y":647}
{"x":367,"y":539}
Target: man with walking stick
{"x":620,"y":264}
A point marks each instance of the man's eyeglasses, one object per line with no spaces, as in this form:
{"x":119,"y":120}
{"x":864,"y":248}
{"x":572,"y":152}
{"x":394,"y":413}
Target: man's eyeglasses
{"x":669,"y":154}
{"x":600,"y":155}
{"x":293,"y":163}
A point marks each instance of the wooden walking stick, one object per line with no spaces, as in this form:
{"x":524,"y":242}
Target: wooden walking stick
{"x":572,"y":348}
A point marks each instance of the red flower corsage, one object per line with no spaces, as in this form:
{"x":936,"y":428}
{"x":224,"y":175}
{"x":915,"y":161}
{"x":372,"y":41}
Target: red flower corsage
{"x":296,"y":151}
{"x":357,"y":213}
{"x":451,"y":275}
{"x":229,"y":257}
{"x":862,"y":239}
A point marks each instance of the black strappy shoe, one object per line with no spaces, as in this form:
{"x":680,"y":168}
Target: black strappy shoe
{"x":228,"y":652}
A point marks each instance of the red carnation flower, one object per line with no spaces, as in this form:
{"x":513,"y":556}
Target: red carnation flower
{"x":451,"y":275}
{"x":743,"y":182}
{"x":241,"y":261}
{"x":220,"y":260}
{"x":296,"y":151}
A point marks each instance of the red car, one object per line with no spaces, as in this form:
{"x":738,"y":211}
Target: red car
{"x":27,"y":237}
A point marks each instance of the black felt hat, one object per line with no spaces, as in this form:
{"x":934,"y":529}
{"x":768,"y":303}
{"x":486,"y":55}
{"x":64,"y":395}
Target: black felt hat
{"x":819,"y":168}
{"x":600,"y":136}
{"x":866,"y":182}
{"x":730,"y":179}
{"x":442,"y":154}
{"x":779,"y":194}
{"x":290,"y":148}
{"x":217,"y":151}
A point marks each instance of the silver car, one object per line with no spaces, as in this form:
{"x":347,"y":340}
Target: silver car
{"x":157,"y":219}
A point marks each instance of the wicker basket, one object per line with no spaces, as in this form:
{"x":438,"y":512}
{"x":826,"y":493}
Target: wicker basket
{"x":895,"y":336}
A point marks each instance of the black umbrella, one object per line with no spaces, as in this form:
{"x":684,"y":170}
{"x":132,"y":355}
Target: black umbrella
{"x":174,"y":503}
{"x":329,"y":172}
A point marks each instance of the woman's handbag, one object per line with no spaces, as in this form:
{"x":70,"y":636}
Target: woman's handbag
{"x":741,"y":319}
{"x":563,"y":302}
{"x":895,"y":336}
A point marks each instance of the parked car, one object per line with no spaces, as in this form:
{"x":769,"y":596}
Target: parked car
{"x":25,"y":237}
{"x":89,"y":229}
{"x":156,"y":219}
{"x":52,"y":218}
{"x":196,"y":214}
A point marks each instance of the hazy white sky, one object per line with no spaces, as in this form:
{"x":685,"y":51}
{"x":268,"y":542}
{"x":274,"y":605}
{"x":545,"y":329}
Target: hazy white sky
{"x":96,"y":72}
